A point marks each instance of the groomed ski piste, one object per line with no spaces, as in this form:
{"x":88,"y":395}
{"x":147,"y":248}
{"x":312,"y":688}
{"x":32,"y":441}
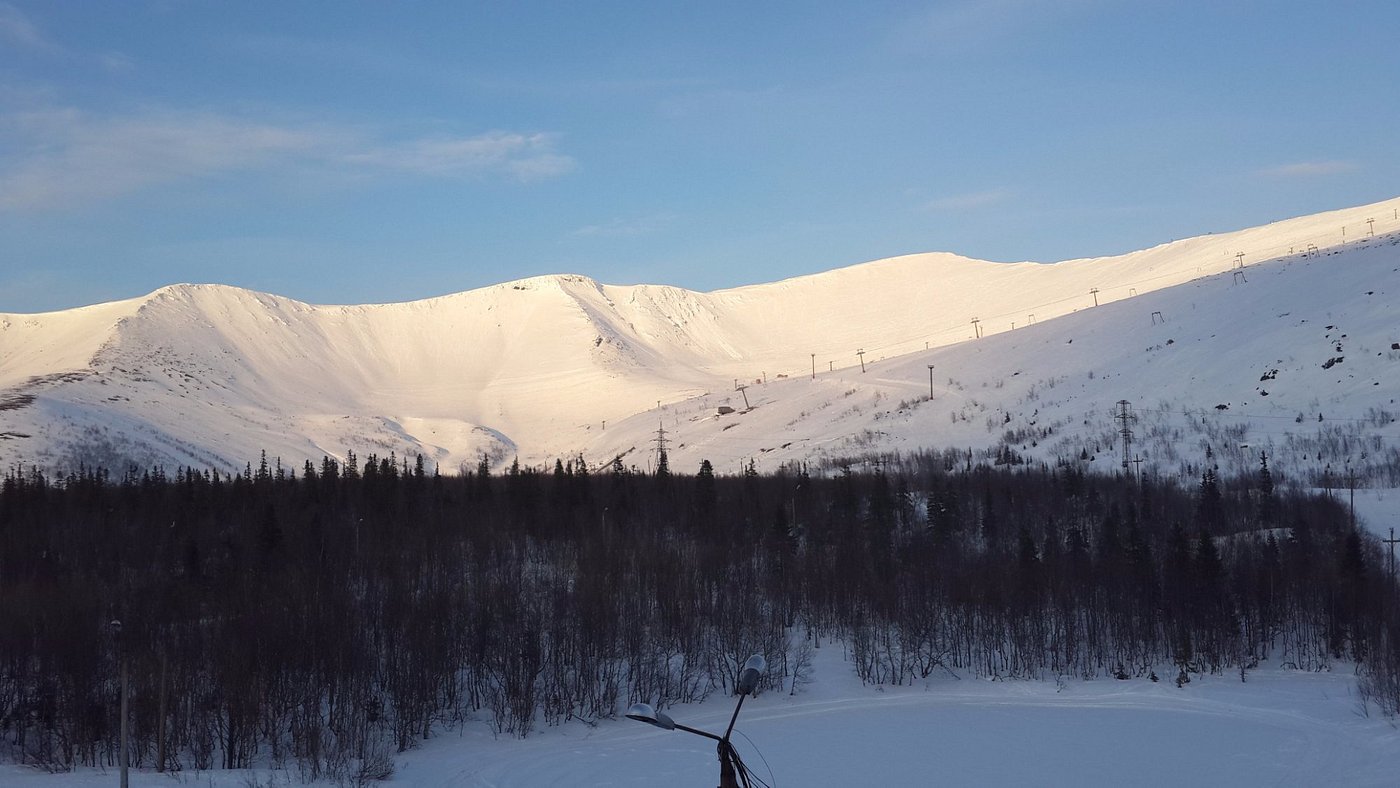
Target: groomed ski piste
{"x":1278,"y":728}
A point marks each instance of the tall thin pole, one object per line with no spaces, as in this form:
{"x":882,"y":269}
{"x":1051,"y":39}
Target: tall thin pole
{"x":1392,"y":542}
{"x":861,"y":353}
{"x":160,"y":721}
{"x":930,"y":381}
{"x":1351,"y":483}
{"x":814,"y":366}
{"x":125,"y":694}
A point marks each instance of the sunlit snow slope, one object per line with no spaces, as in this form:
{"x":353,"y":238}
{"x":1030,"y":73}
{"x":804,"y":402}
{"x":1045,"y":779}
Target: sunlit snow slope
{"x":553,"y":366}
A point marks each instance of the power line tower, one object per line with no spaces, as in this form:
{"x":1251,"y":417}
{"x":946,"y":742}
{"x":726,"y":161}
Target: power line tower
{"x":662,"y":466}
{"x":1124,"y":417}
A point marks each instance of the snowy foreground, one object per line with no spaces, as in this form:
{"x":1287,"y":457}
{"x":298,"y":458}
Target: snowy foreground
{"x":1279,"y":728}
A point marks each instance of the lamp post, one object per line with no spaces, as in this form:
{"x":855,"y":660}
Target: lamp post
{"x":116,"y":627}
{"x":748,"y":681}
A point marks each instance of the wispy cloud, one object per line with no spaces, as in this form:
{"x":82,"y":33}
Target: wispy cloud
{"x":625,"y":228}
{"x":1308,"y":169}
{"x":524,"y":156}
{"x":964,"y":202}
{"x":21,"y":32}
{"x":116,"y":62}
{"x":17,"y":29}
{"x":965,"y":25}
{"x":72,"y":157}
{"x":62,"y":157}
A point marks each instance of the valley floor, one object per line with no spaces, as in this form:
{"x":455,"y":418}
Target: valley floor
{"x":1279,"y":728}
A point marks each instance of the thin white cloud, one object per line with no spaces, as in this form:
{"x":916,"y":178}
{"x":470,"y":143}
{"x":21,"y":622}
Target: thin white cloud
{"x":1308,"y":169}
{"x":967,"y":25}
{"x":19,"y":31}
{"x":62,"y":157}
{"x":524,"y":156}
{"x":964,"y":202}
{"x":16,"y":28}
{"x":624,"y":228}
{"x":116,"y":62}
{"x":73,"y":158}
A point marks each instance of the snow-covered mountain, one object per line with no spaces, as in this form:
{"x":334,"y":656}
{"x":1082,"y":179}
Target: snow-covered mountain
{"x":1241,"y":340}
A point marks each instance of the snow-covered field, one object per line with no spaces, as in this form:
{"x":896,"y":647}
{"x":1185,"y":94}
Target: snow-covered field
{"x":1278,"y":728}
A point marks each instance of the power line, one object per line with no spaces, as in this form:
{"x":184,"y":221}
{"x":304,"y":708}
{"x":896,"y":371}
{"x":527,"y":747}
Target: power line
{"x":1124,"y":417}
{"x":1277,"y":253}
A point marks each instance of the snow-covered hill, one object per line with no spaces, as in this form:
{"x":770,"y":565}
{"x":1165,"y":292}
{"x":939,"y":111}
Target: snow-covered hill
{"x":558,"y":365}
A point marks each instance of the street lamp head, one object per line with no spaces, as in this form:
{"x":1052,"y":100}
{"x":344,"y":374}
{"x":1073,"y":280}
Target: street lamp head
{"x":643,"y":712}
{"x":752,"y":672}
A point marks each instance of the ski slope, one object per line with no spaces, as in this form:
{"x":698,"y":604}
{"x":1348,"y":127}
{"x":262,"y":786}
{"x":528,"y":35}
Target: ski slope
{"x":1294,"y":356}
{"x":553,"y":366}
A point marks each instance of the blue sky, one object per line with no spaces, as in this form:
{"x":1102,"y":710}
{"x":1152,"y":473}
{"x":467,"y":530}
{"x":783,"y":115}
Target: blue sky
{"x":361,"y":152}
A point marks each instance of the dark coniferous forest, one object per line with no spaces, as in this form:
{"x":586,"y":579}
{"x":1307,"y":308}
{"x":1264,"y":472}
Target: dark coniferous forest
{"x":330,"y":617}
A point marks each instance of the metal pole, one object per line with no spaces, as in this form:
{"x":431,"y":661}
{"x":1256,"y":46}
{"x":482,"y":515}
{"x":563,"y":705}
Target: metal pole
{"x":160,"y":722}
{"x":930,"y":381}
{"x":1391,"y":542}
{"x":1351,"y":483}
{"x":124,"y":751}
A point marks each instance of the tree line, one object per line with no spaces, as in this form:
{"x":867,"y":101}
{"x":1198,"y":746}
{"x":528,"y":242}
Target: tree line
{"x":330,"y":617}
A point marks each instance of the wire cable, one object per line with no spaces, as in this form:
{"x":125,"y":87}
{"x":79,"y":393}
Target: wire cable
{"x":771,"y":776}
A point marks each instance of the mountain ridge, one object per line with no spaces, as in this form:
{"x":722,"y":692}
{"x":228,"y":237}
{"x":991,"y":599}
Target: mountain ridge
{"x":536,"y":366}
